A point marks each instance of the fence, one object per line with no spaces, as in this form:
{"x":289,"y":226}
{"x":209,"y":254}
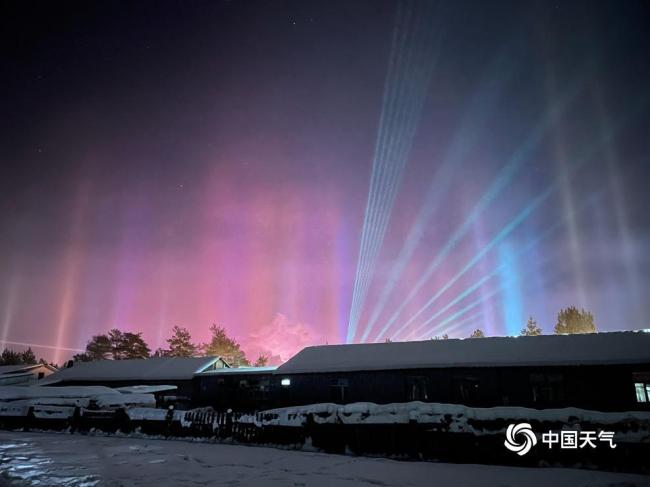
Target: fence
{"x":447,"y":437}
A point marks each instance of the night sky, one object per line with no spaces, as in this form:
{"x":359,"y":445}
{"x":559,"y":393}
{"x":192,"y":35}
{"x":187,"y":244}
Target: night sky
{"x":183,"y":163}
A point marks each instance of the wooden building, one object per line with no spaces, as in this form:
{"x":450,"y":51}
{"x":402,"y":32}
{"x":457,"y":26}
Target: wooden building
{"x":239,"y":389}
{"x":167,"y":371}
{"x":11,"y":375}
{"x":601,"y":371}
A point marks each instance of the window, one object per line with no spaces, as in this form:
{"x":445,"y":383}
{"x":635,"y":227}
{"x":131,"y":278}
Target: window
{"x":417,"y":389}
{"x":285,"y":382}
{"x":547,"y":388}
{"x":41,"y":375}
{"x":642,"y":392}
{"x":467,"y":388}
{"x":338,"y":390}
{"x":641,"y":382}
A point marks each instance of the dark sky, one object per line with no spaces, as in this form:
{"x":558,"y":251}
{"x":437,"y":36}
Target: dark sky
{"x":193,"y":162}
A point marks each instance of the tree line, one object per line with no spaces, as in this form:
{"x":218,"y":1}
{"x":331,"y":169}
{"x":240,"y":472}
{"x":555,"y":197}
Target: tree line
{"x":570,"y":320}
{"x":26,"y":357}
{"x":119,"y":345}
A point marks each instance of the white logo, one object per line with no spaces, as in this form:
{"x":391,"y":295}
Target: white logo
{"x":524,"y":429}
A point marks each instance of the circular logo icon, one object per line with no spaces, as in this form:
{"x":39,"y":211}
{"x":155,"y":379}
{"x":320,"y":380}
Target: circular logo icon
{"x":520,"y":438}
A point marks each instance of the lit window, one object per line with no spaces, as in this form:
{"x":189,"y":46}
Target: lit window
{"x":286,"y":382}
{"x":641,"y":391}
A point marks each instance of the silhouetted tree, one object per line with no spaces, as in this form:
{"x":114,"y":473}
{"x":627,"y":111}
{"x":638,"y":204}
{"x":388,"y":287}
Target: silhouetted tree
{"x":160,"y":352}
{"x":134,"y":346}
{"x":98,"y":348}
{"x":441,"y":337}
{"x":531,"y":328}
{"x":81,"y":357}
{"x":116,"y":339}
{"x":27,"y":357}
{"x":221,"y":345}
{"x":262,"y":361}
{"x":478,"y":333}
{"x":116,"y":345}
{"x":9,"y":357}
{"x":573,"y":320}
{"x":180,"y":343}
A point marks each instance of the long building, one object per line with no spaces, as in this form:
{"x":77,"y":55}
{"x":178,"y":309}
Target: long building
{"x":178,"y":372}
{"x":601,"y":371}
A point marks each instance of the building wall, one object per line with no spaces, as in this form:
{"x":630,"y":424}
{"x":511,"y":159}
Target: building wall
{"x":239,"y":392}
{"x":606,"y":388}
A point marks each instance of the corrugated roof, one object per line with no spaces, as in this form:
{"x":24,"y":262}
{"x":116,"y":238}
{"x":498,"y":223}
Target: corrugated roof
{"x":595,"y":348}
{"x":165,"y":368}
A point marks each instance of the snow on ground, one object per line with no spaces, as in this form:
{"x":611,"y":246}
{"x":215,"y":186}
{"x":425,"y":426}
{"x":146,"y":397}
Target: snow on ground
{"x":53,"y":459}
{"x":12,"y":397}
{"x":431,"y":413}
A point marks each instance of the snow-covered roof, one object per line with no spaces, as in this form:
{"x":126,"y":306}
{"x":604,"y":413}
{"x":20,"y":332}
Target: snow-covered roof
{"x":239,"y":370}
{"x":165,"y":368}
{"x":595,"y":348}
{"x":143,"y":389}
{"x":13,"y":369}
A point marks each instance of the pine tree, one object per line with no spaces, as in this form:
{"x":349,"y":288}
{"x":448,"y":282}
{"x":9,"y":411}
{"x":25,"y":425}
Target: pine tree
{"x":116,"y":339}
{"x":28,"y":357}
{"x":180,"y":343}
{"x":262,"y":361}
{"x":572,"y":320}
{"x":531,"y":328}
{"x":225,"y":347}
{"x":98,"y":348}
{"x":160,"y":352}
{"x":478,"y":333}
{"x":134,"y":346}
{"x":82,"y":357}
{"x":9,"y":357}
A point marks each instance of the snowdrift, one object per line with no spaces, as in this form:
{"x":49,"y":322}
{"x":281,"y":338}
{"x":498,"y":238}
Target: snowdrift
{"x":454,"y":418}
{"x":17,"y":400}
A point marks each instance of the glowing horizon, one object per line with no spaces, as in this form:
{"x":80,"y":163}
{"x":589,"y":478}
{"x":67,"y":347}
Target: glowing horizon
{"x":322,"y":175}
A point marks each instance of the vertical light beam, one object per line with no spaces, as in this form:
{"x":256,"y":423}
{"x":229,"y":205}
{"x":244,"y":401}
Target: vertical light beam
{"x":411,"y":63}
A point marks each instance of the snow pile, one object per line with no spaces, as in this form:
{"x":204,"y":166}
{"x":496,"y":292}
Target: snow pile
{"x":53,"y":412}
{"x":450,"y":417}
{"x":145,"y":389}
{"x":146,"y":414}
{"x":13,"y":409}
{"x":16,"y":400}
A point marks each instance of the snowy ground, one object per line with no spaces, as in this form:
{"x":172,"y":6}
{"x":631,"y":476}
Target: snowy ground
{"x":50,"y":459}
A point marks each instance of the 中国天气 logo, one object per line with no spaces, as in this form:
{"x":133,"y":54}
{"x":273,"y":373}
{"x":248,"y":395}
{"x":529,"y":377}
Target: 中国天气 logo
{"x":520,"y":438}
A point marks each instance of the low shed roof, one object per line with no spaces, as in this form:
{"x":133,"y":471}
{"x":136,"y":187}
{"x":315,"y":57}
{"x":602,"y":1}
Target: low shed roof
{"x":15,"y":369}
{"x":240,"y":371}
{"x":165,"y":368}
{"x":595,"y":348}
